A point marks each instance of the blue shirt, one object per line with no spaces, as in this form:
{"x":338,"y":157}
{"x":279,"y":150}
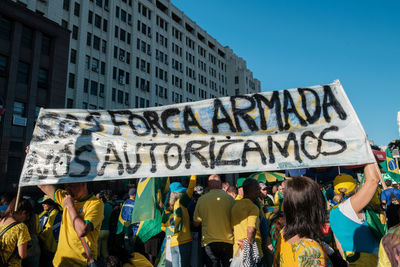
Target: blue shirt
{"x":387,"y":195}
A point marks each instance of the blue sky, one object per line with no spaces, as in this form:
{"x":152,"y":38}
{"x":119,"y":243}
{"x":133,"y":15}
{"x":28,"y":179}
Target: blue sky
{"x":290,"y":44}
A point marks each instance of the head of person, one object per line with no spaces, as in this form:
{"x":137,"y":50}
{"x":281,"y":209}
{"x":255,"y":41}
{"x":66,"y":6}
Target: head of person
{"x":304,"y":208}
{"x":391,"y":245}
{"x":263,"y":190}
{"x":344,"y":186}
{"x":176,"y":190}
{"x":77,"y":190}
{"x":232,"y":191}
{"x":6,"y":198}
{"x":251,"y":189}
{"x":105,"y":195}
{"x":214,"y":182}
{"x":132,"y":193}
{"x":388,"y":183}
{"x":197,"y":192}
{"x":23,"y":213}
{"x":281,"y":187}
{"x":274,"y":189}
{"x":47,"y":203}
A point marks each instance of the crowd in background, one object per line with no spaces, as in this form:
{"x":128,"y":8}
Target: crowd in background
{"x":297,"y":222}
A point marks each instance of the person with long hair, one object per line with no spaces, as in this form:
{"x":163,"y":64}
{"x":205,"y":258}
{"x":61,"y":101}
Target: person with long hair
{"x":304,"y":213}
{"x":14,"y":241}
{"x":389,"y":249}
{"x":355,"y":238}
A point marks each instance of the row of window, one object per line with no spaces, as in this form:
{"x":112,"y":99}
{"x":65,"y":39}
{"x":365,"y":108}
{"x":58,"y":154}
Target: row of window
{"x":143,"y":28}
{"x":161,"y":91}
{"x":118,"y":96}
{"x":143,"y":65}
{"x":163,"y":24}
{"x":98,"y":21}
{"x":95,"y":65}
{"x":122,"y":55}
{"x":143,"y":46}
{"x":122,"y":35}
{"x":96,"y":42}
{"x":162,"y":57}
{"x":162,"y":40}
{"x":142,"y":84}
{"x":176,"y":81}
{"x":121,"y":76}
{"x":145,"y":11}
{"x":176,"y":65}
{"x":123,"y":15}
{"x":96,"y":88}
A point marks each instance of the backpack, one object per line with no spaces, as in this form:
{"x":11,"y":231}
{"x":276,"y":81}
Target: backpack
{"x":4,"y":262}
{"x":394,"y":199}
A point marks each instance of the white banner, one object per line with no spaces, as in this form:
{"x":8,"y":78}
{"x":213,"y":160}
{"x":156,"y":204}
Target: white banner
{"x":296,"y":128}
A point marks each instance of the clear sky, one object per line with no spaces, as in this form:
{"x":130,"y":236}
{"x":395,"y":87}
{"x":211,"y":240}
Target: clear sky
{"x":289,"y":44}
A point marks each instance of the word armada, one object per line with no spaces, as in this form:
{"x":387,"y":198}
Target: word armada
{"x":249,"y":131}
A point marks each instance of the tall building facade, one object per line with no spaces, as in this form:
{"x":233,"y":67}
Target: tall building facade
{"x":130,"y":53}
{"x":33,"y":67}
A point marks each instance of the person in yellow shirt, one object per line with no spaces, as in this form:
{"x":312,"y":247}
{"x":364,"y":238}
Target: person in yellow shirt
{"x":213,"y":213}
{"x":304,"y":215}
{"x":82,"y":218}
{"x":50,"y":222}
{"x":176,"y":223}
{"x":245,"y":218}
{"x":14,"y":241}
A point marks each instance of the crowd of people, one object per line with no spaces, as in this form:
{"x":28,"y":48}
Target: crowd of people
{"x":296,"y":222}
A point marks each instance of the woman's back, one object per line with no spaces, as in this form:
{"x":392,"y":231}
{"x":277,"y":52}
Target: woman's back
{"x":14,"y":237}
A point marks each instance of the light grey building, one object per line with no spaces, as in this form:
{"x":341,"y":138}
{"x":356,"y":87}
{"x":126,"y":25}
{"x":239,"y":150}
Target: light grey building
{"x":129,"y":53}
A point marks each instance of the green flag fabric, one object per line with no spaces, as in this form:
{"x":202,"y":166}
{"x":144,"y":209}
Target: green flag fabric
{"x":390,"y":166}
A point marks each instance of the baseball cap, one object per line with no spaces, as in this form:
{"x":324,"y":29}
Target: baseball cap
{"x":45,"y":199}
{"x":132,"y":191}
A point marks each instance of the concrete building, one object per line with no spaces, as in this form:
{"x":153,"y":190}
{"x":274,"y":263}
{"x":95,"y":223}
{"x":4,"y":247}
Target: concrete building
{"x":33,"y":67}
{"x":130,"y":53}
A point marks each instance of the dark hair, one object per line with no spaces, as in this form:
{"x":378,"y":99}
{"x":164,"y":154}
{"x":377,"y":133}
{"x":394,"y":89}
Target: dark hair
{"x":304,"y":208}
{"x":7,"y":198}
{"x":105,"y":195}
{"x":232,"y":189}
{"x":388,"y":183}
{"x":249,"y":183}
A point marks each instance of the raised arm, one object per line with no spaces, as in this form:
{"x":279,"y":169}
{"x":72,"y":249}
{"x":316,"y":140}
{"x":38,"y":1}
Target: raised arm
{"x":361,"y":199}
{"x":191,"y":185}
{"x":49,"y":190}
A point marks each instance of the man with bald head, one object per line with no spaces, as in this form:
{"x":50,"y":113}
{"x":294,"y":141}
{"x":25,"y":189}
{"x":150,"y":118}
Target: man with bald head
{"x":213,"y":212}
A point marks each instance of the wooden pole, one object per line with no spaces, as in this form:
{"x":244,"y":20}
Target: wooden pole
{"x":380,"y":176}
{"x":17,"y":200}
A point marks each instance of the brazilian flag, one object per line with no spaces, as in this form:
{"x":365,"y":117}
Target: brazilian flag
{"x":390,"y":166}
{"x":151,"y":193}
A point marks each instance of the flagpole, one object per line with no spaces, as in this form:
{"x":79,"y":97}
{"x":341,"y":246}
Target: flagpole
{"x":380,"y":176}
{"x":17,"y":200}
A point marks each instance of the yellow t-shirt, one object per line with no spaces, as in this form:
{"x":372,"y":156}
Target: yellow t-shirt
{"x":70,"y":250}
{"x":138,"y":260}
{"x":213,"y":210}
{"x":46,"y":235}
{"x":305,"y":252}
{"x":383,"y":257}
{"x":238,"y":197}
{"x":245,"y":214}
{"x":15,"y":236}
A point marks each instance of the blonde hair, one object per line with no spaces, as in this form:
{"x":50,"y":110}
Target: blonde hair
{"x":173,"y":197}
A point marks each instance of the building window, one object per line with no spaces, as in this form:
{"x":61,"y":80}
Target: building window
{"x":73,"y":56}
{"x":96,"y":42}
{"x":70,"y":103}
{"x":126,"y":98}
{"x":97,"y":21}
{"x":86,"y":85}
{"x":103,"y":46}
{"x":105,"y":25}
{"x":93,"y":88}
{"x":19,"y":109}
{"x":113,"y":95}
{"x":236,"y":79}
{"x":99,"y":3}
{"x":101,"y":89}
{"x":3,"y":65}
{"x":75,"y":32}
{"x":120,"y":97}
{"x":64,"y":24}
{"x":103,"y":68}
{"x":5,"y":29}
{"x":117,"y":11}
{"x":66,"y":5}
{"x":77,"y":8}
{"x":71,"y":80}
{"x":45,"y":48}
{"x":89,"y":39}
{"x":90,"y":17}
{"x":43,"y":78}
{"x":26,"y":38}
{"x":23,"y":72}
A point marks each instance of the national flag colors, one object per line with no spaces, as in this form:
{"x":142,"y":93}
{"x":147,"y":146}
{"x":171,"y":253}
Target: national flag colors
{"x":391,"y":166}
